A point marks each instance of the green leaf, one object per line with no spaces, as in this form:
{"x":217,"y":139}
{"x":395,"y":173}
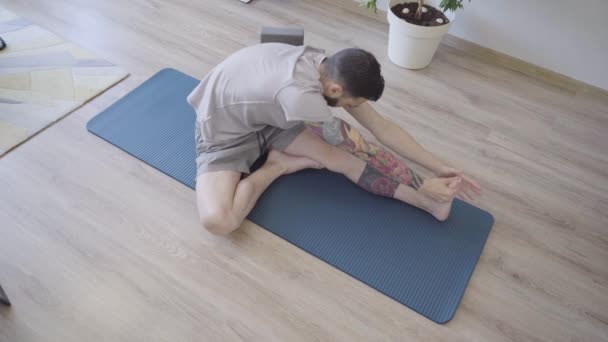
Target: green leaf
{"x":451,"y":5}
{"x":370,"y":4}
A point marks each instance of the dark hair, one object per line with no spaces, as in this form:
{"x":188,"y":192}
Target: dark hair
{"x":357,"y":71}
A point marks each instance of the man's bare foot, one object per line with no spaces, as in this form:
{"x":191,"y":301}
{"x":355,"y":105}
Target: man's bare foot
{"x":440,"y":206}
{"x":441,"y":210}
{"x":291,"y":164}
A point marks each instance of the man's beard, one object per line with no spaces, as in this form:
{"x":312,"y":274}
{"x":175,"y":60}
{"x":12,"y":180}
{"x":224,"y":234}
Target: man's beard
{"x":331,"y":101}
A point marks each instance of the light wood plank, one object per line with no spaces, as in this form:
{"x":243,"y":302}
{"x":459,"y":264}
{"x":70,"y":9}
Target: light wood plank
{"x":95,"y":245}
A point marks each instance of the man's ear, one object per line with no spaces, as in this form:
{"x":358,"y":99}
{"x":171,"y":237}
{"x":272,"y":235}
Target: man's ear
{"x":335,"y":90}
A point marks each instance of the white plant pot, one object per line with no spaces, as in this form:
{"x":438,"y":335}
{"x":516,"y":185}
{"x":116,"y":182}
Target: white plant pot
{"x":413,"y":46}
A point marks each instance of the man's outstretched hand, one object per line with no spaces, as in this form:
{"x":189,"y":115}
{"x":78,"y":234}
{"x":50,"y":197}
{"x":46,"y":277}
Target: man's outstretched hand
{"x":441,"y":190}
{"x":469,"y":189}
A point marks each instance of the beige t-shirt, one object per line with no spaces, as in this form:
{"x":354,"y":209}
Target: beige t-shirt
{"x":269,"y":84}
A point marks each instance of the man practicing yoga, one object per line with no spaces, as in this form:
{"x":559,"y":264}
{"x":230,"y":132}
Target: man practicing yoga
{"x":263,"y":113}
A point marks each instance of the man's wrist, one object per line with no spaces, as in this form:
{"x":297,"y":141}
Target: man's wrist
{"x":440,"y":168}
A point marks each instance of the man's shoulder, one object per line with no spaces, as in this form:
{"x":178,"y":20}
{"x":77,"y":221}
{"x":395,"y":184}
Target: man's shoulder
{"x":272,"y":49}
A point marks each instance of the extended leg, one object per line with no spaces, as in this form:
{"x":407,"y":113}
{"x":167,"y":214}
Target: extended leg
{"x":340,"y":134}
{"x":363,"y":173}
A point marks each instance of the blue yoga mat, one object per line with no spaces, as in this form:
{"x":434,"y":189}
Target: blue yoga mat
{"x":395,"y":248}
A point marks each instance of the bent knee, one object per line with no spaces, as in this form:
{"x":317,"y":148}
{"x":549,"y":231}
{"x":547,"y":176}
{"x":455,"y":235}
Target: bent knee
{"x":219,"y":222}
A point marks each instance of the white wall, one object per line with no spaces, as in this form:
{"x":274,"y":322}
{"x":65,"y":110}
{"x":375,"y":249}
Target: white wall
{"x":548,"y":33}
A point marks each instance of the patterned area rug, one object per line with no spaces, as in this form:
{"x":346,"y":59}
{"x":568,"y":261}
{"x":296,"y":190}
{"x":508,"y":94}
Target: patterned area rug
{"x":43,"y":78}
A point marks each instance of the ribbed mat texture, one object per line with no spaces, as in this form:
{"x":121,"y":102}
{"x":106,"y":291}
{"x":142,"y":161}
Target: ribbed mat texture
{"x":395,"y":248}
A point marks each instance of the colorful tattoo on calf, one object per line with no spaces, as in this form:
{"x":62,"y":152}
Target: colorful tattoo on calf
{"x":375,"y":182}
{"x":339,"y":133}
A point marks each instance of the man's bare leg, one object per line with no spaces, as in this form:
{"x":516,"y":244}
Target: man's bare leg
{"x":340,"y":134}
{"x":225,"y":200}
{"x":364,"y":174}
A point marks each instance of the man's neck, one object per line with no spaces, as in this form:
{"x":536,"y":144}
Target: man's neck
{"x":322,"y":72}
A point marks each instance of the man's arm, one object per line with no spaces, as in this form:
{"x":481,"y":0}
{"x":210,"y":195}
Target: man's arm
{"x":400,"y":141}
{"x":395,"y":137}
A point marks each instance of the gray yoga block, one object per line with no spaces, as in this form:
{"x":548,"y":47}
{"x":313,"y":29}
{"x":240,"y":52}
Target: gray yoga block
{"x":287,"y":35}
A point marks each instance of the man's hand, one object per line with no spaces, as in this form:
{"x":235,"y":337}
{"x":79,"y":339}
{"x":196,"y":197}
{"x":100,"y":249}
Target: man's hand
{"x":441,"y":190}
{"x":469,"y":188}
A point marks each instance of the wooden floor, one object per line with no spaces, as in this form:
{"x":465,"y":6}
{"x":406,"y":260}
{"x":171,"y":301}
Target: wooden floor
{"x":95,"y":245}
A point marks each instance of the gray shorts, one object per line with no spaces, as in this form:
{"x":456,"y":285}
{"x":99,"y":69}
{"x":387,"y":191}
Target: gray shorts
{"x":240,"y":153}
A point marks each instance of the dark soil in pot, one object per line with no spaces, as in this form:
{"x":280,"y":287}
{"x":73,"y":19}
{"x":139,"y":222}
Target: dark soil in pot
{"x":430,"y":18}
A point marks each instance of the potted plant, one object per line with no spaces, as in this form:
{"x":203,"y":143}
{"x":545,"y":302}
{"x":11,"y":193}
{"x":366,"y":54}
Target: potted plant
{"x":416,"y":29}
